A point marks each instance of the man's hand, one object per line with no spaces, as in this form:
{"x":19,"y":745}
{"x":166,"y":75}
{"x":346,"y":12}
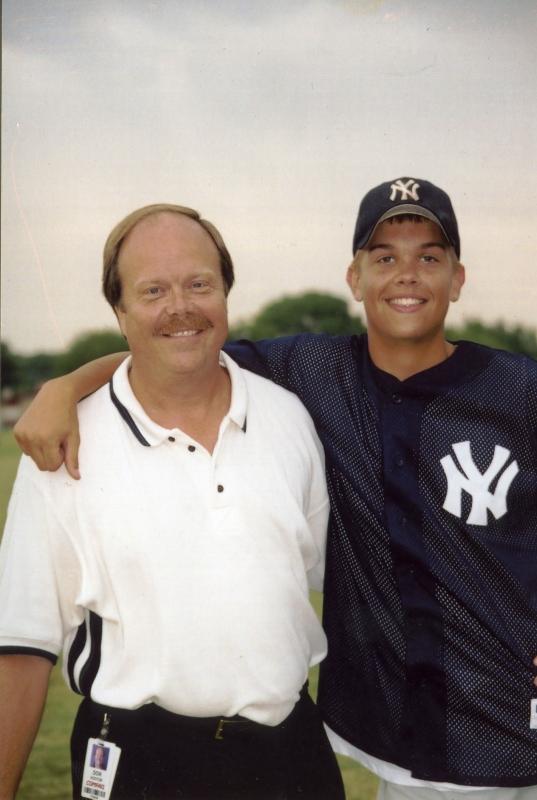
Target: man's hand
{"x":48,"y":429}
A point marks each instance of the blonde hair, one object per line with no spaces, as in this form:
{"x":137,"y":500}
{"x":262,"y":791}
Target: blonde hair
{"x":111,"y":281}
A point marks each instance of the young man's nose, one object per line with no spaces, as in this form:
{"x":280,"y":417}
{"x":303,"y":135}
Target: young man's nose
{"x":408,"y":271}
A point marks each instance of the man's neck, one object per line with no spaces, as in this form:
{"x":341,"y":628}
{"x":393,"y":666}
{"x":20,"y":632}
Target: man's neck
{"x":404,"y":358}
{"x":196,"y":404}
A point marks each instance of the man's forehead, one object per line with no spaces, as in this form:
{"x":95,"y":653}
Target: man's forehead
{"x":169,"y":220}
{"x":167,"y":227}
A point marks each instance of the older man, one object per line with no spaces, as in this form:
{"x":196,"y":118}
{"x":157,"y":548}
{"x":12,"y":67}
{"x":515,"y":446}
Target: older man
{"x":175,"y":575}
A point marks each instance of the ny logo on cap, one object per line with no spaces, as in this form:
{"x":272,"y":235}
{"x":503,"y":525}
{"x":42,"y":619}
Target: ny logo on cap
{"x":408,"y":189}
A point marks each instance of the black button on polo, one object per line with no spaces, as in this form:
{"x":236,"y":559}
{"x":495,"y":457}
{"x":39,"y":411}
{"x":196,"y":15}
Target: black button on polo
{"x":220,"y":488}
{"x":400,"y":462}
{"x":191,"y":448}
{"x":171,"y":438}
{"x":396,"y":398}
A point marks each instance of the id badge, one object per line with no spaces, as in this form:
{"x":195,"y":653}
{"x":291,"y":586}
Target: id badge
{"x":100,"y":765}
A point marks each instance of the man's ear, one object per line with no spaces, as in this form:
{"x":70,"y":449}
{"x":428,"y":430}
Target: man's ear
{"x":120,"y":314}
{"x":353,"y":280}
{"x":459,"y":276}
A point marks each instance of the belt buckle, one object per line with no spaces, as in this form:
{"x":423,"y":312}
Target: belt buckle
{"x":219,"y":733}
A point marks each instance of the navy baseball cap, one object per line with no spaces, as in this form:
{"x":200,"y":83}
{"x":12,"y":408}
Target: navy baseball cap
{"x":405,"y":196}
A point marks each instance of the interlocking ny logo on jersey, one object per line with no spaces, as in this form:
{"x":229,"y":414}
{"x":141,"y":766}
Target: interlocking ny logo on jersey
{"x":409,"y":190}
{"x":469,"y":479}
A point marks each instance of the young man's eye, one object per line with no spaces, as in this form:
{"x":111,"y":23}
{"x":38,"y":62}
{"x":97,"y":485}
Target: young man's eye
{"x":385,"y":260}
{"x":429,"y":259}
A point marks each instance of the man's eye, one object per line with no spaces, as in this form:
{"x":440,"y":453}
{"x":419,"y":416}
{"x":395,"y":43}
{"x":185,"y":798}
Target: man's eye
{"x":199,"y":285}
{"x":429,"y":259}
{"x":153,"y":291}
{"x":385,"y":260}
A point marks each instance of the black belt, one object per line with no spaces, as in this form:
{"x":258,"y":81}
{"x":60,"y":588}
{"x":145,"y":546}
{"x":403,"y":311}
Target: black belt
{"x":214,"y":727}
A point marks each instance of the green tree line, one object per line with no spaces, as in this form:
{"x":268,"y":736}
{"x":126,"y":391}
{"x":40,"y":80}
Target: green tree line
{"x":310,"y":312}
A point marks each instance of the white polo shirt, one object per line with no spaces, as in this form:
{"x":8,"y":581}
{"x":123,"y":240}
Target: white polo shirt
{"x":167,"y":574}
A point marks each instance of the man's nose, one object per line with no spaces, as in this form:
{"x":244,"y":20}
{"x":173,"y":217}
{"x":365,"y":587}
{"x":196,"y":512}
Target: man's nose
{"x":178,"y":300}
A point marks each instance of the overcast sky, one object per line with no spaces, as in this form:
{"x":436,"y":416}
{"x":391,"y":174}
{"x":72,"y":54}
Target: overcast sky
{"x":272,"y":118}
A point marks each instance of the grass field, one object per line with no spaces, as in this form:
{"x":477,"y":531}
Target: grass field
{"x":47,"y":774}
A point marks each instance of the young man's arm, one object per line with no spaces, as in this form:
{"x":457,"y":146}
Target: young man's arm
{"x":254,"y":356}
{"x":48,"y":429}
{"x":23,"y":691}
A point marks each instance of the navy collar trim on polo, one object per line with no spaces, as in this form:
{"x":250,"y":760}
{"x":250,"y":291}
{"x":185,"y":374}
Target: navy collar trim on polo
{"x":148,"y":432}
{"x":126,"y":416}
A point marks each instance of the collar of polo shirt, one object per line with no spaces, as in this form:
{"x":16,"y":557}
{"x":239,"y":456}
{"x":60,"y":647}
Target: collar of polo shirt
{"x":150,"y":433}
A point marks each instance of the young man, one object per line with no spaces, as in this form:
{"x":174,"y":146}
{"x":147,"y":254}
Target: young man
{"x":431,"y":453}
{"x":173,"y":582}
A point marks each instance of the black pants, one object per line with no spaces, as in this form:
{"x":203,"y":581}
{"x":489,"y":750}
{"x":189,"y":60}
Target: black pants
{"x":167,"y":756}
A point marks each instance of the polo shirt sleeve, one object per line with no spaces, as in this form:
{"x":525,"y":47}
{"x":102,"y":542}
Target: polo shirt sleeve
{"x":38,"y":570}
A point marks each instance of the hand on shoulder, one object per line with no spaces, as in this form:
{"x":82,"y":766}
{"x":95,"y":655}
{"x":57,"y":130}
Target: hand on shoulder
{"x":48,"y":429}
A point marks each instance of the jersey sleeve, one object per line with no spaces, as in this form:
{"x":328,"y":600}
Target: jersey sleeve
{"x":532,"y":397}
{"x":36,"y":575}
{"x":271,"y":358}
{"x":318,"y":511}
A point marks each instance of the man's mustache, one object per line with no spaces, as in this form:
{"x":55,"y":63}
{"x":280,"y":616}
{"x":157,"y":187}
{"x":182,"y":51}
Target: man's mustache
{"x":182,"y":322}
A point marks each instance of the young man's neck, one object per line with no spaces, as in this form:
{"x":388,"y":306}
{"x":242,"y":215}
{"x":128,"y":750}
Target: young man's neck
{"x":405,"y":357}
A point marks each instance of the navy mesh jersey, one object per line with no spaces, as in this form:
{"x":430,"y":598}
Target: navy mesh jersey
{"x":431,"y":577}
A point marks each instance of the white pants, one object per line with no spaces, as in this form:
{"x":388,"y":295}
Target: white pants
{"x":393,"y":791}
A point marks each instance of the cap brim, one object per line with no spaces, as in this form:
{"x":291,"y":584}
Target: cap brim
{"x":407,"y":208}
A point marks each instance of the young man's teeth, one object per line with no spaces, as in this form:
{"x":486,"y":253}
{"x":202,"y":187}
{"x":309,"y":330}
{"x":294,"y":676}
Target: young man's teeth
{"x":182,"y":333}
{"x":406,"y":301}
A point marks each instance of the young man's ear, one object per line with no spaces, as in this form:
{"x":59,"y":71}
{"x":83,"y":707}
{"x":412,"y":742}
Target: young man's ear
{"x":353,"y":280}
{"x":459,"y":276}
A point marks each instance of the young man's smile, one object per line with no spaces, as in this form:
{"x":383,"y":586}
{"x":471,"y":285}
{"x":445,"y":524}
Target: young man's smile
{"x":406,"y":304}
